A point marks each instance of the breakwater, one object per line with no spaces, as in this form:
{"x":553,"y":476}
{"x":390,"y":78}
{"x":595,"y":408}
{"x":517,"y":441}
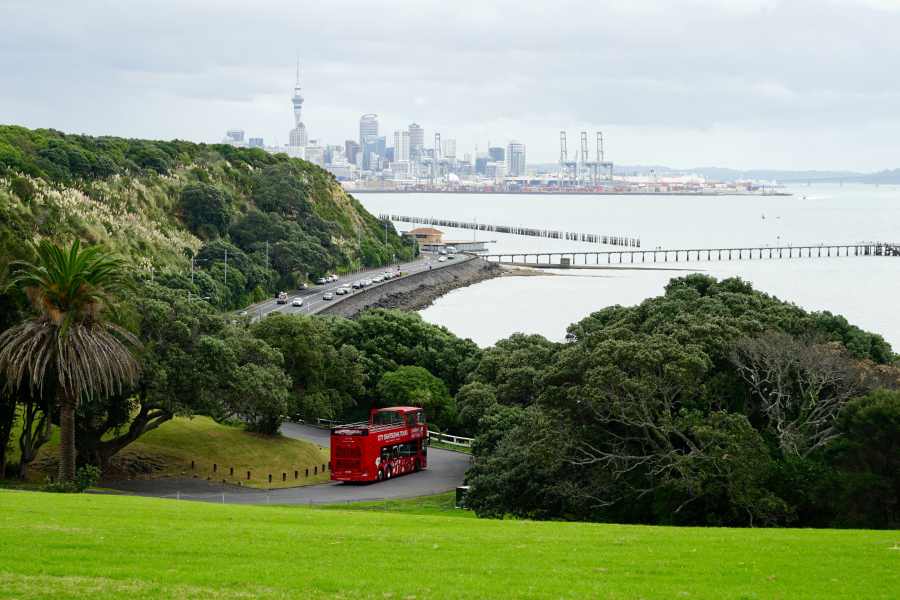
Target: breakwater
{"x":416,"y":291}
{"x":512,"y":229}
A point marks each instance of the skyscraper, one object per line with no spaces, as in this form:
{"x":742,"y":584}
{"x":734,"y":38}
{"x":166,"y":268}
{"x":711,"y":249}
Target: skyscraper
{"x":449,"y":147}
{"x":236,"y":134}
{"x":368,"y":127}
{"x":416,"y":138}
{"x":257,"y":143}
{"x":401,"y":145}
{"x":497,"y":154}
{"x":350,"y":149}
{"x":515,"y":162}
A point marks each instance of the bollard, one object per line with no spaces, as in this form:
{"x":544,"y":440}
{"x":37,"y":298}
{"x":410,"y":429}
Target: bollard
{"x":232,"y":471}
{"x":307,"y":473}
{"x":51,"y":479}
{"x":248,"y":475}
{"x":215,"y":466}
{"x":224,"y":480}
{"x":270,"y":478}
{"x":323,"y":467}
{"x":284,"y":476}
{"x":209,"y":477}
{"x":192,"y":465}
{"x":315,"y":470}
{"x":329,"y":466}
{"x":295,"y":474}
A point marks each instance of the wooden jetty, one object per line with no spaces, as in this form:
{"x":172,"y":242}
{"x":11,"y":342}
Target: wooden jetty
{"x":611,"y":240}
{"x":565,"y":259}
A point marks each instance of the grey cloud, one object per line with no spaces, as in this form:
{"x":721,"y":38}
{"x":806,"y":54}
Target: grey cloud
{"x":784,"y":73}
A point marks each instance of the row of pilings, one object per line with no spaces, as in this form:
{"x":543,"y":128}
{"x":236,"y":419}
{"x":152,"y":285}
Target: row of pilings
{"x":611,"y":240}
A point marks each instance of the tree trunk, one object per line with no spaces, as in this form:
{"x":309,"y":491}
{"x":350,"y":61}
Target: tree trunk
{"x":31,"y":440}
{"x":67,"y":453}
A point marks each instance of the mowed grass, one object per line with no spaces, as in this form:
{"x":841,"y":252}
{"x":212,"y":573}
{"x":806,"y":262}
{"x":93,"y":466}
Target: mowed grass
{"x":202,"y":440}
{"x":90,"y":546}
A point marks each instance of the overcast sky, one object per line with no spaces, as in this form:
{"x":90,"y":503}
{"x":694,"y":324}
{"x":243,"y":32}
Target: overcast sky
{"x":730,"y":83}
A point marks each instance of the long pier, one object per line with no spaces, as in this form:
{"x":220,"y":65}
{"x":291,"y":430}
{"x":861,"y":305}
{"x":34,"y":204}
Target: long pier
{"x":566,"y":259}
{"x":547,"y":233}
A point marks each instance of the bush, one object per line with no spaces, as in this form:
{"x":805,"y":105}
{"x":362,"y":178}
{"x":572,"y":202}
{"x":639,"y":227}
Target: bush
{"x":23,"y":188}
{"x":84,"y":478}
{"x":12,"y":469}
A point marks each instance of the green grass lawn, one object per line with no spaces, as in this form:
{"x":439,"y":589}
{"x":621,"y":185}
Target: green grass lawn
{"x":179,"y":441}
{"x":89,"y":546}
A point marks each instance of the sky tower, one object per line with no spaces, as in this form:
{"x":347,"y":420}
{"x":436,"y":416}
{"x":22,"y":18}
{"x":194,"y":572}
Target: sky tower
{"x":297,"y":99}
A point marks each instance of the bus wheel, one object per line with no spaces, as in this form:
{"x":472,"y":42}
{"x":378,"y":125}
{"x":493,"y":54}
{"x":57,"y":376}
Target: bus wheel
{"x":416,"y":466}
{"x":380,"y":475}
{"x":387,"y":475}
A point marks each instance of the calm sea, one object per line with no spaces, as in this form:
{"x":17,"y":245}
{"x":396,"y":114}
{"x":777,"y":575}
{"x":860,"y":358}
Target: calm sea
{"x":864,"y":289}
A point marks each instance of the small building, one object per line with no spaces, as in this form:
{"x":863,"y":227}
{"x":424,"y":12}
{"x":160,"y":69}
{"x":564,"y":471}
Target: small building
{"x":427,"y":235}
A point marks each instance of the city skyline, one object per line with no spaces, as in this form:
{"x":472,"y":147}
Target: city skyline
{"x":745,"y":84}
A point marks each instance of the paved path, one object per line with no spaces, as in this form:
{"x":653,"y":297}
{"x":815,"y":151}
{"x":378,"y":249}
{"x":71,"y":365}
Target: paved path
{"x":445,"y":471}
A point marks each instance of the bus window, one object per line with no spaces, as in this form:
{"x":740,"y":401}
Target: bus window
{"x":424,"y":446}
{"x":388,"y":417}
{"x":420,"y":418}
{"x":386,"y":454}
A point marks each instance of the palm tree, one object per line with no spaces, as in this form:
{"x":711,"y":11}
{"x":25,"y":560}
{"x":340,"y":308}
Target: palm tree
{"x":71,"y":337}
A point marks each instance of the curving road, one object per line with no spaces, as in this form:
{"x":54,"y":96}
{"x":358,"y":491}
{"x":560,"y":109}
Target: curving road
{"x":445,"y":471}
{"x":313,"y":301}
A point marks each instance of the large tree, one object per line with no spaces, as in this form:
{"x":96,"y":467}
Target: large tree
{"x":72,"y":336}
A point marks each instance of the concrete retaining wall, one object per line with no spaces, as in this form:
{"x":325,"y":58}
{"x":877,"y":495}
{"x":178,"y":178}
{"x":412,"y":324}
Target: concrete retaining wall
{"x":416,"y":291}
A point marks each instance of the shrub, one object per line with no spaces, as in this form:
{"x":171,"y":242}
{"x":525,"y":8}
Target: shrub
{"x":23,"y":188}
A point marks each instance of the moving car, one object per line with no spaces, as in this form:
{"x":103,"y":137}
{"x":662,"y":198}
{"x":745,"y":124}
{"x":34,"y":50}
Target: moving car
{"x":328,"y":296}
{"x":442,"y":259}
{"x":357,"y":285}
{"x":282,"y":298}
{"x":321,"y":281}
{"x":297,"y":302}
{"x":377,"y":279}
{"x":397,"y":274}
{"x":451,"y":257}
{"x":303,"y":287}
{"x":344,"y":289}
{"x":367,"y":282}
{"x":242,"y":313}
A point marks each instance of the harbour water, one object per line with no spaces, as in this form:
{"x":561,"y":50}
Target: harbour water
{"x":861,"y":288}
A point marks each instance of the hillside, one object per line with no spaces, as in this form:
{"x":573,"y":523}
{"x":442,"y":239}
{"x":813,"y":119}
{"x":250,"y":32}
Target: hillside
{"x":159,"y":203}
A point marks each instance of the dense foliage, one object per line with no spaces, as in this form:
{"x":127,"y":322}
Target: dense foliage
{"x":714,"y":404}
{"x":157,"y":203}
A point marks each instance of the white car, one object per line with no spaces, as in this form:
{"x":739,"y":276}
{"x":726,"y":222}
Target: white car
{"x":334,"y":278}
{"x":377,"y":279}
{"x":442,"y":259}
{"x":344,"y":289}
{"x":297,"y":302}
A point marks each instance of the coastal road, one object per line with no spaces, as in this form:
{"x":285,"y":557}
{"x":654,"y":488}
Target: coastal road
{"x":313,"y":301}
{"x":444,"y":473}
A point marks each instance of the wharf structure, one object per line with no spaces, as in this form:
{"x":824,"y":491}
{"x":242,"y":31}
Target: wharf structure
{"x":571,"y":259}
{"x":511,"y":229}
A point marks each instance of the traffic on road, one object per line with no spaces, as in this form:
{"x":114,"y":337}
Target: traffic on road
{"x":311,"y":299}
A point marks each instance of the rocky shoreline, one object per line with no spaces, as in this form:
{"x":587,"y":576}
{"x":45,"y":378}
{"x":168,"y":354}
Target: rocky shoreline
{"x":415,"y":292}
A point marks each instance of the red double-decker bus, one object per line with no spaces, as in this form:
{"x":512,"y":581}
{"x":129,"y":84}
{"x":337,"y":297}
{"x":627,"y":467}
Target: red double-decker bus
{"x":393,"y":442}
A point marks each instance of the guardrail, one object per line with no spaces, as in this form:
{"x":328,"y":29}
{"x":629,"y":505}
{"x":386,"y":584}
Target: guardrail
{"x":445,"y":439}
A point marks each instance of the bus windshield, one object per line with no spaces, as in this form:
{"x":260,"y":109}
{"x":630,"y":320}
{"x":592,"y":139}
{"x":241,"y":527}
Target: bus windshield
{"x":388,"y":417}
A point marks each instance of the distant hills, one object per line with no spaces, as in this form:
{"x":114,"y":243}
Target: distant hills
{"x":722,"y":173}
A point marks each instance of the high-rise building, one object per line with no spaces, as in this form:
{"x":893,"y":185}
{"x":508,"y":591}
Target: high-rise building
{"x":257,"y":143}
{"x":448,"y":147}
{"x":236,"y":134}
{"x":416,"y":138}
{"x":350,"y":150}
{"x":401,"y":145}
{"x":497,"y":154}
{"x":515,"y":162}
{"x":372,"y":147}
{"x":299,"y":136}
{"x":368,"y":127}
{"x":481,"y":161}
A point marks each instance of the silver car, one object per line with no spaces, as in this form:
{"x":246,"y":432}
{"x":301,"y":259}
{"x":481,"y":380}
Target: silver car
{"x":297,"y":302}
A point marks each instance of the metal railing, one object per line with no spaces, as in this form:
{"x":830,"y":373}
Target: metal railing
{"x":453,"y":440}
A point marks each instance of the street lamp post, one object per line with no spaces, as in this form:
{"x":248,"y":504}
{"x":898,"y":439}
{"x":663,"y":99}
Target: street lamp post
{"x":192,"y":266}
